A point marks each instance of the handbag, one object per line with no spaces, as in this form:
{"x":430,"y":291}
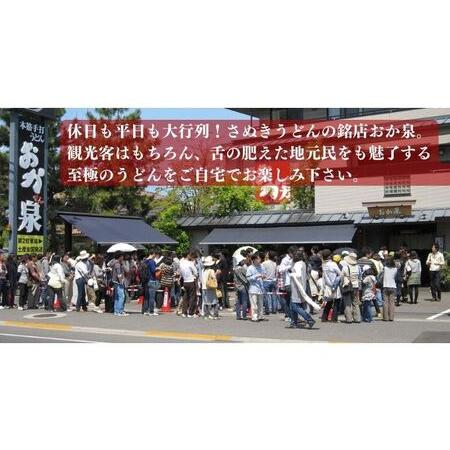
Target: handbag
{"x":54,"y":281}
{"x":348,"y":287}
{"x":211,"y":281}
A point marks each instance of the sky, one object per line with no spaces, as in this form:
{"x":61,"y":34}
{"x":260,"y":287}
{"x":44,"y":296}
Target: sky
{"x":169,"y":113}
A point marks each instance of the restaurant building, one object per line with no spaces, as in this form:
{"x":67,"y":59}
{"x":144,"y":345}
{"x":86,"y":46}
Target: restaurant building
{"x":392,"y":212}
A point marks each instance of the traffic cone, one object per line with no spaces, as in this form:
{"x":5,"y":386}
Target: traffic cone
{"x":166,"y":302}
{"x":330,"y":314}
{"x":56,"y":304}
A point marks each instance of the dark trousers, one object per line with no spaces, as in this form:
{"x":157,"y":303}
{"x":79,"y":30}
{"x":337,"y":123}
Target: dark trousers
{"x":150,"y":291}
{"x":335,"y":304}
{"x":81,"y":299}
{"x":224,"y":300}
{"x":435,"y":284}
{"x":34,"y":292}
{"x":190,"y":298}
{"x":23,"y":293}
{"x":159,"y":296}
{"x":12,"y":293}
{"x":51,"y":298}
{"x":413,"y":293}
{"x":4,"y":291}
{"x":109,"y":302}
{"x":241,"y":303}
{"x":285,"y":301}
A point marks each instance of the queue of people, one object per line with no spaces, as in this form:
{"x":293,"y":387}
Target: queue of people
{"x":298,"y":284}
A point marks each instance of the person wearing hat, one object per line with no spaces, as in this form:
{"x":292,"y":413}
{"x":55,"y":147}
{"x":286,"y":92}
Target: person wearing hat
{"x":350,"y":289}
{"x":81,"y":277}
{"x":209,"y":289}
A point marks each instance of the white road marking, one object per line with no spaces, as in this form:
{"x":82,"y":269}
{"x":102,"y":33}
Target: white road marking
{"x":29,"y":336}
{"x":435,"y":316}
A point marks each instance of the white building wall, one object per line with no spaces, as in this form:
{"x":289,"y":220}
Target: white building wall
{"x":332,"y":199}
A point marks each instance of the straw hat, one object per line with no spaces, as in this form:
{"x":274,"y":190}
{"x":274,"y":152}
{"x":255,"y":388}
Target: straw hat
{"x":83,"y":254}
{"x":208,"y":262}
{"x":351,"y":259}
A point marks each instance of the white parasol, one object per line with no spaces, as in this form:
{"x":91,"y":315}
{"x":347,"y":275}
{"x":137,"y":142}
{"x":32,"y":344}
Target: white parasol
{"x":237,"y":257}
{"x":121,"y":247}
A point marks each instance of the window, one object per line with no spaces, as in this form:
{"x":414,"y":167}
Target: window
{"x":444,"y":153}
{"x":397,"y":186}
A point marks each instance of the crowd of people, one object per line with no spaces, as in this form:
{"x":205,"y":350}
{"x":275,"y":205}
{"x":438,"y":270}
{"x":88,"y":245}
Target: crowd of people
{"x":299,"y":284}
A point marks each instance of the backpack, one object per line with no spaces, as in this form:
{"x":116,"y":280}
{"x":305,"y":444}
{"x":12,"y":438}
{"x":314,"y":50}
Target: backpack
{"x":144,"y":273}
{"x":379,"y":279}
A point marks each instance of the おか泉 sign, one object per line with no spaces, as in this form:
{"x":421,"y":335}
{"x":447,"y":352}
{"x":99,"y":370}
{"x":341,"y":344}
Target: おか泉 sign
{"x":30,"y":184}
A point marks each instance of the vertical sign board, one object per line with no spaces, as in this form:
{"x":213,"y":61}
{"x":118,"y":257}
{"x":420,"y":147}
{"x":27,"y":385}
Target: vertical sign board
{"x":28,"y":198}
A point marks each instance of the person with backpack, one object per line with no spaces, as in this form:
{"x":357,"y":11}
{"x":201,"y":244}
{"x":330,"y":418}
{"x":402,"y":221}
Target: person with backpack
{"x":241,"y":285}
{"x":209,"y":289}
{"x":350,"y":289}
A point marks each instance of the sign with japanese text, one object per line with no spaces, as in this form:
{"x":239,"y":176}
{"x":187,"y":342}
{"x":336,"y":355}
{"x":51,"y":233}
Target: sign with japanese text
{"x":30,"y":179}
{"x":272,"y":156}
{"x":389,"y":211}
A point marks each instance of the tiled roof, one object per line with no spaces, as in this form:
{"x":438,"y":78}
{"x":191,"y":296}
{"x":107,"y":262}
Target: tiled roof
{"x":299,"y":216}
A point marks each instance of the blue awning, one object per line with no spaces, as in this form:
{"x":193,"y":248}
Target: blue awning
{"x":320,"y":234}
{"x":114,"y":229}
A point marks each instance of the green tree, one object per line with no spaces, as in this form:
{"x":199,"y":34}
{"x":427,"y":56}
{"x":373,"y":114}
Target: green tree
{"x":218,"y":201}
{"x":303,"y":197}
{"x":105,"y":200}
{"x":170,"y":210}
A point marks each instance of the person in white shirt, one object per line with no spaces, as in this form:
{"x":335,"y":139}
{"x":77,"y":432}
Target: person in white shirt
{"x":56,"y":283}
{"x":435,"y":263}
{"x":298,"y":293}
{"x":389,"y":288}
{"x":189,"y":274}
{"x":284,"y":270}
{"x":81,"y":277}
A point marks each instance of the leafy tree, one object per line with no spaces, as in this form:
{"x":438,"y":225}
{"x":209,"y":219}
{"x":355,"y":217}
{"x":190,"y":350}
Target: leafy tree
{"x":219,"y":201}
{"x":170,"y":210}
{"x":303,"y":197}
{"x":105,"y":200}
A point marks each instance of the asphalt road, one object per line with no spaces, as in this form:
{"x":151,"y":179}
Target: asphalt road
{"x":426,"y":322}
